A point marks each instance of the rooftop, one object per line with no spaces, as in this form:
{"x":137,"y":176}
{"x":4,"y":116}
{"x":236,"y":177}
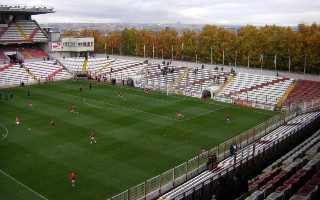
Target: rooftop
{"x":23,"y":9}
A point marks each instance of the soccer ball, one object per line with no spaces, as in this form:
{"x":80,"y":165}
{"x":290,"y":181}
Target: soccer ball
{"x":29,"y":129}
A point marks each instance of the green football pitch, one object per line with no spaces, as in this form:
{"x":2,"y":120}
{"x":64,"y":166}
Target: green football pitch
{"x":138,"y":137}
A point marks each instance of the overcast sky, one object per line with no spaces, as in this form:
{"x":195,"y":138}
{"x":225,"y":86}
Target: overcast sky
{"x":239,"y":12}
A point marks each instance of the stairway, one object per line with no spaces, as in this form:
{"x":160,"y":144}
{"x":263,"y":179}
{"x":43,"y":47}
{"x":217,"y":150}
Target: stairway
{"x":85,"y":65}
{"x":179,"y":79}
{"x":52,"y":75}
{"x":5,"y":67}
{"x":285,"y":95}
{"x":20,"y":30}
{"x":34,"y":32}
{"x":30,"y":73}
{"x":230,"y":78}
{"x":108,"y":65}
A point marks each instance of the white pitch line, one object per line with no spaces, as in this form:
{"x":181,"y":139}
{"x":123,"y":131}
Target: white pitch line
{"x":132,"y":109}
{"x":23,"y":185}
{"x":4,"y":136}
{"x":205,"y":113}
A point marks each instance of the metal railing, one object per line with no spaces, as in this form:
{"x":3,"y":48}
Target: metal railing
{"x":307,"y":106}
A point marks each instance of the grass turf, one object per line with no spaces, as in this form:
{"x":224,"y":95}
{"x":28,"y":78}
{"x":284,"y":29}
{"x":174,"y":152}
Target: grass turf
{"x":138,"y":137}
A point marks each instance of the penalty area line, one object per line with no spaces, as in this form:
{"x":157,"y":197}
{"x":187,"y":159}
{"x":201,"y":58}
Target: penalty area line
{"x":23,"y":185}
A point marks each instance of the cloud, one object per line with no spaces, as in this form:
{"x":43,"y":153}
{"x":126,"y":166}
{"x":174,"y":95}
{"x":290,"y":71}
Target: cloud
{"x":281,"y":12}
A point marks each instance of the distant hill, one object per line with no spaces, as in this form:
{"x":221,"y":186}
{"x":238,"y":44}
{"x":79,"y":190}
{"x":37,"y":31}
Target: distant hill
{"x":110,"y":27}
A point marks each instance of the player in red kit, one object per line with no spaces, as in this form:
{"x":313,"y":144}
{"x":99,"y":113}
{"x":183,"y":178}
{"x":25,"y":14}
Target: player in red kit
{"x":72,"y":179}
{"x":178,"y":115}
{"x":92,"y":137}
{"x":18,"y":121}
{"x":72,"y":108}
{"x":227,"y":117}
{"x":30,"y":105}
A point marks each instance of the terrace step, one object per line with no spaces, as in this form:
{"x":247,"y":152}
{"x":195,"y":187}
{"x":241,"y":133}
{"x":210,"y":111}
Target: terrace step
{"x":262,"y":85}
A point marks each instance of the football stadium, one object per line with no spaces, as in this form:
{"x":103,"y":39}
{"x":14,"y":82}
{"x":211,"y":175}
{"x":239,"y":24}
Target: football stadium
{"x":80,"y":125}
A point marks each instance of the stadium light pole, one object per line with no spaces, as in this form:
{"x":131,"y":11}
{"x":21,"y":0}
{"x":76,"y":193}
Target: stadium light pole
{"x":153,"y":51}
{"x":261,"y":62}
{"x":182,"y":47}
{"x":275,"y":62}
{"x":105,"y":49}
{"x":172,"y":53}
{"x":211,"y":58}
{"x":136,"y":50}
{"x":289,"y":63}
{"x":162,"y":54}
{"x":223,"y":57}
{"x":235,"y":59}
{"x":305,"y":64}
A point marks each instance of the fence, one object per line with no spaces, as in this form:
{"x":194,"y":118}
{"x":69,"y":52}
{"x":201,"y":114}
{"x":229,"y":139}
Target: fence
{"x":247,"y":103}
{"x":306,"y":106}
{"x":164,"y":182}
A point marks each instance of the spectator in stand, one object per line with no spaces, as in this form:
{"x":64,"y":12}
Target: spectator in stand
{"x":232,"y":149}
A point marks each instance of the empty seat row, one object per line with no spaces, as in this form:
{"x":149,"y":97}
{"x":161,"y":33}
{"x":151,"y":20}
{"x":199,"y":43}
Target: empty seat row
{"x":286,"y":175}
{"x":256,"y":89}
{"x":47,"y":70}
{"x":14,"y":76}
{"x":23,"y":30}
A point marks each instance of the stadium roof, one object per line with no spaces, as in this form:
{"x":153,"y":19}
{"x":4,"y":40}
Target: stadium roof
{"x":21,"y":9}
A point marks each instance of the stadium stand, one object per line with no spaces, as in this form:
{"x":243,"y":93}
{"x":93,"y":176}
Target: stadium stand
{"x":295,"y":175}
{"x":310,"y":190}
{"x":23,"y":30}
{"x":182,"y":80}
{"x":33,"y":53}
{"x":289,"y":173}
{"x":109,"y":68}
{"x":47,"y":70}
{"x":231,"y":162}
{"x":4,"y":67}
{"x":94,"y":64}
{"x":22,"y":42}
{"x":125,"y":71}
{"x":303,"y":90}
{"x":26,"y":53}
{"x":256,"y":89}
{"x":14,"y":75}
